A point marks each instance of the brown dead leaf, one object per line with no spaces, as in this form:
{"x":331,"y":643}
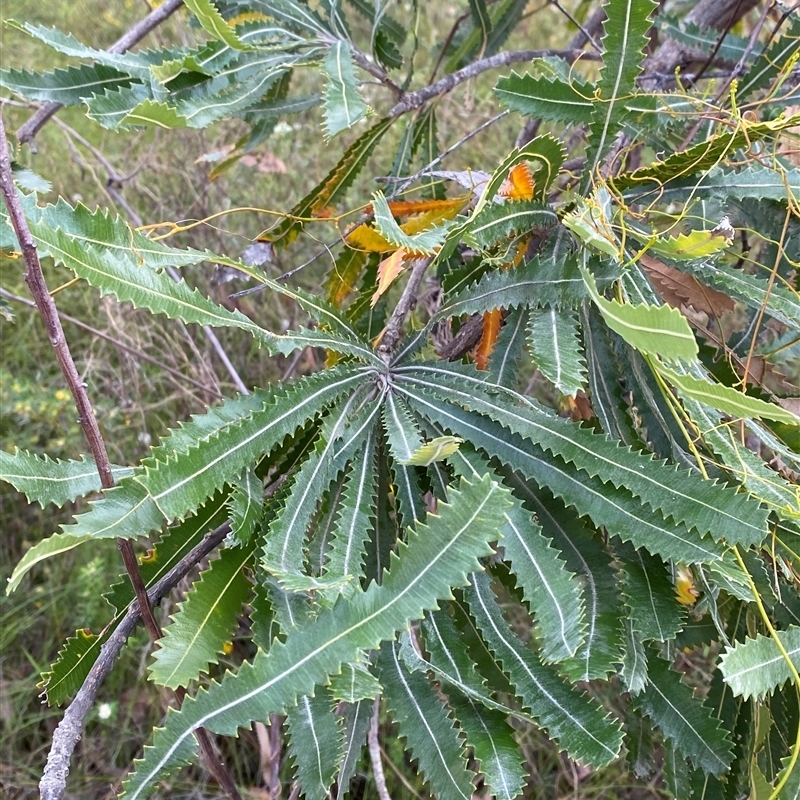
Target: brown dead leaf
{"x":677,"y":288}
{"x":264,"y":162}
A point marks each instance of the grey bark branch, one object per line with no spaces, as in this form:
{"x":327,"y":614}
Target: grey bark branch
{"x":54,"y":779}
{"x":415,"y":99}
{"x":27,"y":132}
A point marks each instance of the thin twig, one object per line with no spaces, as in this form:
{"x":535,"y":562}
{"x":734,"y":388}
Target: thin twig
{"x":98,"y":334}
{"x":585,"y":33}
{"x":34,"y":277}
{"x":393,"y":330}
{"x":65,"y":737}
{"x":375,"y":753}
{"x":415,"y":99}
{"x":29,"y":129}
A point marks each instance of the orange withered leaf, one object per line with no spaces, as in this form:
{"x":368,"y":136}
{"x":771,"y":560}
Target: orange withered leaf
{"x":492,"y":321}
{"x":388,"y":270}
{"x":519,"y":184}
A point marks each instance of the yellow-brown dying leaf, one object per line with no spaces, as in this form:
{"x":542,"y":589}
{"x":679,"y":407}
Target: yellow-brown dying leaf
{"x":492,"y":321}
{"x":519,"y":184}
{"x":388,"y":270}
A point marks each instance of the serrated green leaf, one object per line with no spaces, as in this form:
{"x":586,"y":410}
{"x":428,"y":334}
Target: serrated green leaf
{"x":756,"y":667}
{"x":144,"y":288}
{"x":484,"y":725}
{"x":599,"y":653}
{"x":626,"y":31}
{"x":354,"y":684}
{"x":582,"y":728}
{"x":136,"y":64}
{"x":548,"y":99}
{"x":500,"y":220}
{"x":181,"y":482}
{"x":68,"y":672}
{"x":343,"y":104}
{"x":684,"y":720}
{"x":773,"y":59}
{"x":125,"y":511}
{"x":346,"y":554}
{"x":618,"y":510}
{"x":650,"y":596}
{"x":656,"y":482}
{"x":284,"y":552}
{"x":113,"y":105}
{"x":154,"y":113}
{"x":554,"y":342}
{"x":634,"y":661}
{"x":779,"y":302}
{"x":43,"y":480}
{"x":314,"y":736}
{"x":436,"y":558}
{"x":707,"y":41}
{"x":424,"y":722}
{"x":426,"y":145}
{"x":551,"y":592}
{"x":204,"y":621}
{"x":402,"y":435}
{"x":213,"y":22}
{"x":66,"y":86}
{"x":332,"y":187}
{"x":246,"y":505}
{"x":508,"y":349}
{"x":357,"y":718}
{"x":706,"y":154}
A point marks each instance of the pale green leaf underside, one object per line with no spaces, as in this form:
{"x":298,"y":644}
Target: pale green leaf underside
{"x":756,"y":667}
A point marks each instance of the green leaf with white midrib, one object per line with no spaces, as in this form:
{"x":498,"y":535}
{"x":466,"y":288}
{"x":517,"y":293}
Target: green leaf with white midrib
{"x":508,"y":350}
{"x":548,"y":99}
{"x":135,"y":64}
{"x":579,"y":726}
{"x":424,"y":722}
{"x":626,"y":30}
{"x":65,"y":86}
{"x":402,"y":435}
{"x":685,"y":720}
{"x":343,"y":104}
{"x":284,"y":551}
{"x":599,"y":653}
{"x":346,"y":554}
{"x":650,"y":596}
{"x":655,"y":330}
{"x":43,"y":480}
{"x":778,"y":301}
{"x":213,"y":22}
{"x":357,"y":718}
{"x":125,"y":511}
{"x":704,"y":505}
{"x":756,"y":667}
{"x":144,"y":288}
{"x":485,"y":727}
{"x":436,"y":558}
{"x":246,"y":504}
{"x":425,"y":243}
{"x":617,"y":509}
{"x":182,"y":481}
{"x":204,"y":621}
{"x":519,"y":217}
{"x":314,"y":736}
{"x":554,"y":342}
